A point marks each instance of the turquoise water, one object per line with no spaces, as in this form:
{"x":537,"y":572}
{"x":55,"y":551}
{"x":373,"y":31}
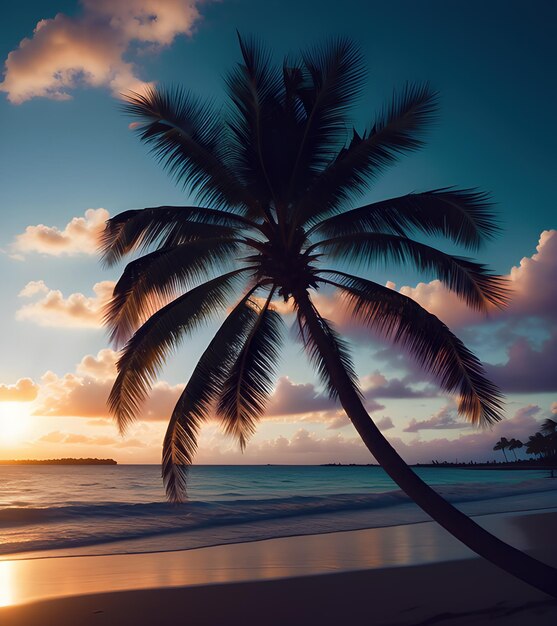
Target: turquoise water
{"x":58,"y":507}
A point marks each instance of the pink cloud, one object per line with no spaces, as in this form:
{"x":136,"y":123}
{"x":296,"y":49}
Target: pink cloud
{"x":91,"y":48}
{"x":532,"y":284}
{"x":528,"y":370}
{"x":290,"y":398}
{"x":24,"y":390}
{"x":305,"y":447}
{"x":80,"y":439}
{"x":444,"y":419}
{"x":79,"y":236}
{"x":533,"y":299}
{"x":85,"y":392}
{"x":376,"y":385}
{"x":384,"y":423}
{"x":52,"y":309}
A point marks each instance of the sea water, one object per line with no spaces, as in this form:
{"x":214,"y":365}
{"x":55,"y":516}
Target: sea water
{"x":122,"y":508}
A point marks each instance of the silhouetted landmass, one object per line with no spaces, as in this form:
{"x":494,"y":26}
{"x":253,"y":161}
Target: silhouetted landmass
{"x":541,"y":464}
{"x":67,"y":461}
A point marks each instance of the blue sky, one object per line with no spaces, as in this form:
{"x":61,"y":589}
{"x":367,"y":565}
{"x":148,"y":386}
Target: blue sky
{"x":491,"y":63}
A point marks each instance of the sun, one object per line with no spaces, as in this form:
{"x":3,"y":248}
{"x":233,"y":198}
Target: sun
{"x":14,"y":422}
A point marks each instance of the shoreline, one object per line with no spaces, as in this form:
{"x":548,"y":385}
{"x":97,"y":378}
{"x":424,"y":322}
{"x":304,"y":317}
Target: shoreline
{"x":413,"y":575}
{"x":399,"y":514}
{"x":419,"y":544}
{"x":68,"y":553}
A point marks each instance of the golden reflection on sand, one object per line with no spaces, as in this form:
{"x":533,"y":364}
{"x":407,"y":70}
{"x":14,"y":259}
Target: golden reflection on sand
{"x":6,"y":583}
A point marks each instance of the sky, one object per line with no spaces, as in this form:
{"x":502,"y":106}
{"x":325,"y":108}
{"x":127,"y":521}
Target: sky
{"x":69,"y":161}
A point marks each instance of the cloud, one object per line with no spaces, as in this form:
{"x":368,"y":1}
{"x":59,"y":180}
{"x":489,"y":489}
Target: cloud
{"x":306,"y":447}
{"x":100,"y":367}
{"x":527,"y":370}
{"x":384,"y":423}
{"x":294,"y":399}
{"x":532,"y":311}
{"x":532,"y":285}
{"x":85,"y":392}
{"x":24,"y":390}
{"x":303,"y":447}
{"x":54,"y":310}
{"x":78,"y":438}
{"x":79,"y":236}
{"x":376,"y":385}
{"x":93,"y":47}
{"x":445,"y":418}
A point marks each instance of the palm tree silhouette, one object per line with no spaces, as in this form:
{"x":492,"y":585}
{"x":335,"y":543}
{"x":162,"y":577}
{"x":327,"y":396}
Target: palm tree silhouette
{"x":502,"y":445}
{"x":515,"y":444}
{"x":275,"y":174}
{"x":537,"y":444}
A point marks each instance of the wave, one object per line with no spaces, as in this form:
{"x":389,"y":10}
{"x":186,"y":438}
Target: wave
{"x":200,"y":523}
{"x":31,"y":529}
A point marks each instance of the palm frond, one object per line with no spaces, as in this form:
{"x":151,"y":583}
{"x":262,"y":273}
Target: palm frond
{"x":146,"y":352}
{"x":196,"y":401}
{"x":255,"y":88}
{"x":150,"y":282}
{"x":464,"y":216}
{"x":396,"y":131}
{"x":186,"y":136}
{"x":432,"y":344}
{"x":549,"y":427}
{"x":247,"y":388}
{"x":155,"y":227}
{"x":334,"y":79}
{"x":469,"y":280}
{"x":335,"y":342}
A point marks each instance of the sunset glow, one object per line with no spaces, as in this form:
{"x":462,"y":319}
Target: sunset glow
{"x":14,"y":423}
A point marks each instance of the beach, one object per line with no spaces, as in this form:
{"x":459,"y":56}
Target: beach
{"x":264,"y":545}
{"x":414,"y":574}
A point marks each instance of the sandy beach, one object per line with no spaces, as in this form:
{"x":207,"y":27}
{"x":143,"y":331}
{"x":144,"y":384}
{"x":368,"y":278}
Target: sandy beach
{"x":413,"y":575}
{"x":458,"y":592}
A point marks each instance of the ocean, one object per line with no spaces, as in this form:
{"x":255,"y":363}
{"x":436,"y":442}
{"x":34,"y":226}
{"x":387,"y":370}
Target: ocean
{"x":76,"y":509}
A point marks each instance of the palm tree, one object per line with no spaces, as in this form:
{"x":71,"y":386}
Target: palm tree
{"x":274,"y":175}
{"x":549,"y":429}
{"x":537,"y":444}
{"x":502,"y":444}
{"x":515,"y":444}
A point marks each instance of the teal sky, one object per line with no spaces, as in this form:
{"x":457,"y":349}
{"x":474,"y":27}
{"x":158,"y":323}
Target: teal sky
{"x":492,"y":63}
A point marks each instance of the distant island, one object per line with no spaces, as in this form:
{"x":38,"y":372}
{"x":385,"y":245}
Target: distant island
{"x":67,"y":461}
{"x":541,"y":464}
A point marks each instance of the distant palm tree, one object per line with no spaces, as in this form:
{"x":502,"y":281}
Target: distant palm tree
{"x":549,"y":429}
{"x":515,"y":444}
{"x":537,"y":444}
{"x":544,"y":445}
{"x":502,"y":445}
{"x":275,"y":173}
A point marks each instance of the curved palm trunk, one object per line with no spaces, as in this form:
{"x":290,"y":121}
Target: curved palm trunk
{"x":528,"y":569}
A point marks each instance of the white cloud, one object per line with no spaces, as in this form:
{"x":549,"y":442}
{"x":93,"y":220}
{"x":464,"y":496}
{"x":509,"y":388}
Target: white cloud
{"x":24,"y":390}
{"x":55,"y":310}
{"x":79,"y":236}
{"x":93,"y":47}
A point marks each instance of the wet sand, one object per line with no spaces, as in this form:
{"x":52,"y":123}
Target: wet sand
{"x":376,"y":576}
